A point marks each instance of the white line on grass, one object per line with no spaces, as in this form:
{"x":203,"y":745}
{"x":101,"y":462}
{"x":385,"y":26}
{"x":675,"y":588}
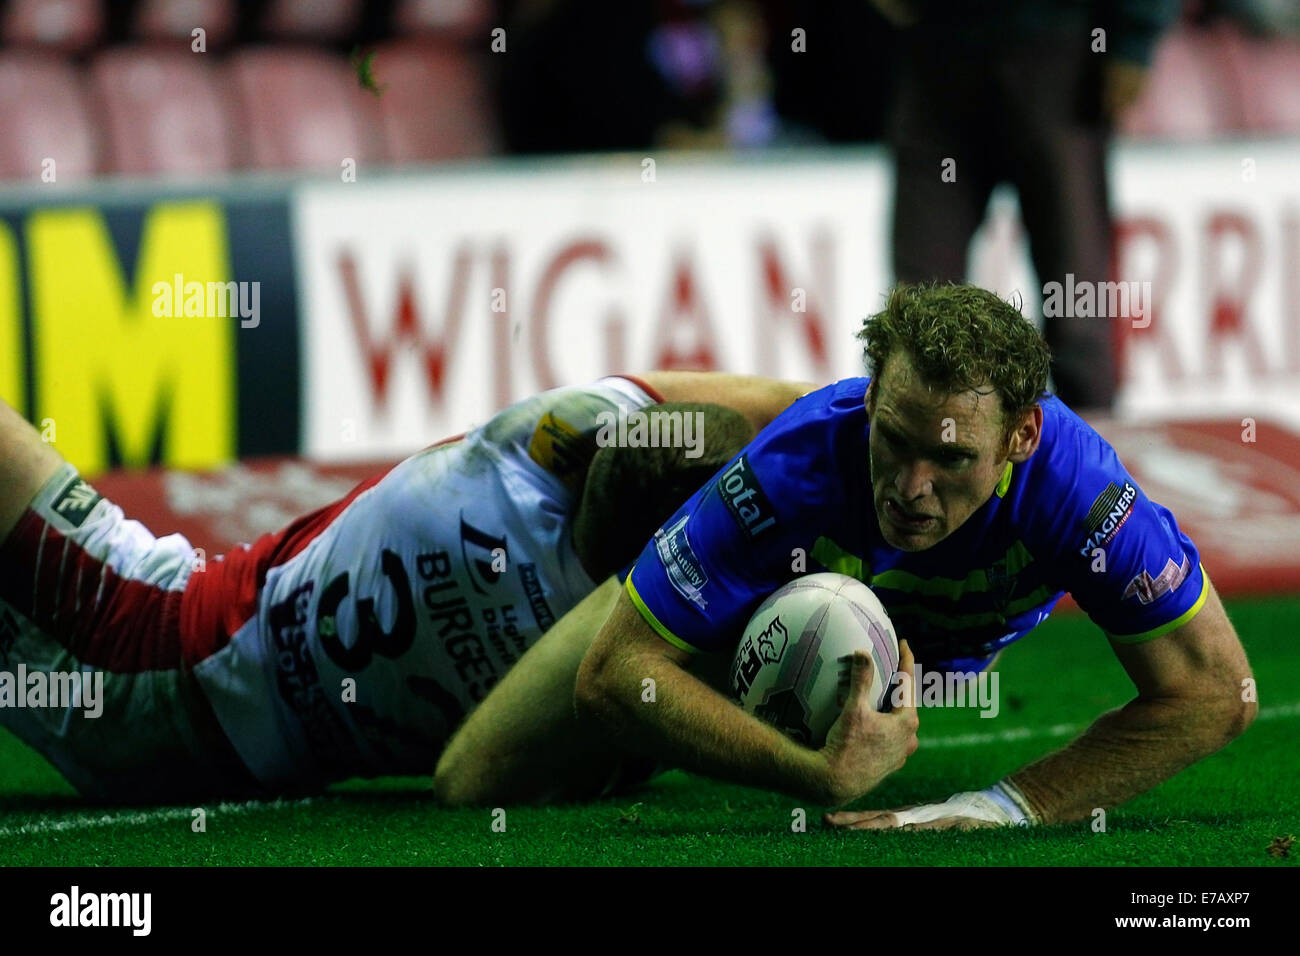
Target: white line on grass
{"x":1012,"y":734}
{"x":160,"y":815}
{"x":166,"y":814}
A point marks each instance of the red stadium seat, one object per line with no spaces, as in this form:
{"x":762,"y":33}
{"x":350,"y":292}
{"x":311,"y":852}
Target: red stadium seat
{"x":1191,"y":92}
{"x":165,"y":20}
{"x":43,"y":115}
{"x":1270,"y":82}
{"x":164,"y":111}
{"x":434,"y":103}
{"x":304,"y":109}
{"x":317,"y":20}
{"x":450,"y":19}
{"x":66,"y":26}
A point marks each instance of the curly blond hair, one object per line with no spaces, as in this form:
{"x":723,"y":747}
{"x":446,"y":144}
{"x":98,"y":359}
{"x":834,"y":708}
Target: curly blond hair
{"x":961,"y":337}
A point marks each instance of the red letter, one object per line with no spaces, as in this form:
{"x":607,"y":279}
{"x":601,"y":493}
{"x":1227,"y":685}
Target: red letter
{"x":775,"y":305}
{"x":406,"y":328}
{"x":685,"y":311}
{"x":1228,"y":301}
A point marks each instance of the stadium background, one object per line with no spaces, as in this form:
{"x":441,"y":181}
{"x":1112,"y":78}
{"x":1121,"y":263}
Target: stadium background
{"x":465,"y":218}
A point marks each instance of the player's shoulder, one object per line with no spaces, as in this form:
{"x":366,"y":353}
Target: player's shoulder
{"x":837,"y":407}
{"x":1074,"y":483}
{"x":801,"y":471}
{"x":820,"y":439}
{"x":553,"y":434}
{"x":1069,"y":444}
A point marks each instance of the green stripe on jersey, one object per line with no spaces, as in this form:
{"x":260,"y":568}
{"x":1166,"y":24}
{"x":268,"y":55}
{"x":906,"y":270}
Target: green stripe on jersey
{"x":1017,"y":559}
{"x":965,"y":622}
{"x":834,"y":558}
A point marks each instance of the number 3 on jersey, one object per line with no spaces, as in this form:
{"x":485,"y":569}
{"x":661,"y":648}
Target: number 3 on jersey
{"x":371,"y":637}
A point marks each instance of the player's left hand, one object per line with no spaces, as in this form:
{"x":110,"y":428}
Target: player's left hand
{"x":962,"y":811}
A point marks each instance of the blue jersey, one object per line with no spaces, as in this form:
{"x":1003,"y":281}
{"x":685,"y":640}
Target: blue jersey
{"x":798,"y":499}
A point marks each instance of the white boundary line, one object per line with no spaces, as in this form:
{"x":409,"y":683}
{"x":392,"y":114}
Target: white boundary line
{"x":1013,"y":734}
{"x":172,"y":814}
{"x":160,"y":815}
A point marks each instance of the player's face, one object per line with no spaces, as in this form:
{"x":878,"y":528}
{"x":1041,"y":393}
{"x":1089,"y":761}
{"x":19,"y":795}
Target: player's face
{"x":935,"y":457}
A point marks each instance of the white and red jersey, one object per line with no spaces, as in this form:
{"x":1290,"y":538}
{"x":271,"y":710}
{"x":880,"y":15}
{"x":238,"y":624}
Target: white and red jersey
{"x":353,"y":641}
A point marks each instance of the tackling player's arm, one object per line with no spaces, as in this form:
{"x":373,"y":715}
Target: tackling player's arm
{"x":690,"y":725}
{"x":1191,"y":702}
{"x":758,"y":399}
{"x":26,"y":463}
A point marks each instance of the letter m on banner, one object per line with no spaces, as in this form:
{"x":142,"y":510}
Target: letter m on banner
{"x":125,"y":385}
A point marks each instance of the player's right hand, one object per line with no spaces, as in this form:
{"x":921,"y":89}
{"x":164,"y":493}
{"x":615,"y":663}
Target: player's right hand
{"x":864,"y":746}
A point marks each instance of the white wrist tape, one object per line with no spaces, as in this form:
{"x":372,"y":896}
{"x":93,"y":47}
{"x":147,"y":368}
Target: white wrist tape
{"x":1001,"y":803}
{"x":1009,"y":798}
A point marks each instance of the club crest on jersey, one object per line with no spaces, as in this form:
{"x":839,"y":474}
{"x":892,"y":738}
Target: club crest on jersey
{"x":744,"y":498}
{"x":1147,"y":589}
{"x":684,"y":570}
{"x":1109,"y":511}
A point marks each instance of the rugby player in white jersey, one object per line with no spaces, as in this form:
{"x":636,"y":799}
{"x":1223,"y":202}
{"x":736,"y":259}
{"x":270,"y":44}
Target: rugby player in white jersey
{"x":354,"y":641}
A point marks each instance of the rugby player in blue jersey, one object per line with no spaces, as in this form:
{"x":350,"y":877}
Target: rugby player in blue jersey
{"x":970,"y":501}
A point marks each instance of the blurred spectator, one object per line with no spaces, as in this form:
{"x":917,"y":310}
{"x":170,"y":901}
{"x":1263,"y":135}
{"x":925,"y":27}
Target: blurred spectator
{"x":723,"y":55}
{"x":681,"y":74}
{"x":837,"y":81}
{"x":575,"y":76}
{"x":1018,"y":91}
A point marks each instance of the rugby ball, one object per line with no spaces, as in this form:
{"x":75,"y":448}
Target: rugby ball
{"x":790,"y":668}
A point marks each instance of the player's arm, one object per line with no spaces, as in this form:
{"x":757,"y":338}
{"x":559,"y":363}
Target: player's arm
{"x":1191,"y":701}
{"x":26,"y":463}
{"x":685,"y":723}
{"x":758,"y":399}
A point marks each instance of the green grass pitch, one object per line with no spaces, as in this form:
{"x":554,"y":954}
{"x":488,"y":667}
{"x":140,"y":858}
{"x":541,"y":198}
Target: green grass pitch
{"x":1225,"y":811}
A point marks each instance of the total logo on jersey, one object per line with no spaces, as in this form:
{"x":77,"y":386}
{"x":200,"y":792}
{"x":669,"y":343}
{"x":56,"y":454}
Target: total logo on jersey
{"x":744,"y":498}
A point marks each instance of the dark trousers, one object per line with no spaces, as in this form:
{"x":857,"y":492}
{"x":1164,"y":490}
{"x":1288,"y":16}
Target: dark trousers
{"x":1026,"y":111}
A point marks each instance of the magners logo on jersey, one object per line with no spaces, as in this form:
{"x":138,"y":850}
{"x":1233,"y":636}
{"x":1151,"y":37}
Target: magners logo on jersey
{"x":1109,"y":511}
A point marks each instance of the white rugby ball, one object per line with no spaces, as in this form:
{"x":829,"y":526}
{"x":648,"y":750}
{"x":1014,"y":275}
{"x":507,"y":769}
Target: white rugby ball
{"x":788,"y":669}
